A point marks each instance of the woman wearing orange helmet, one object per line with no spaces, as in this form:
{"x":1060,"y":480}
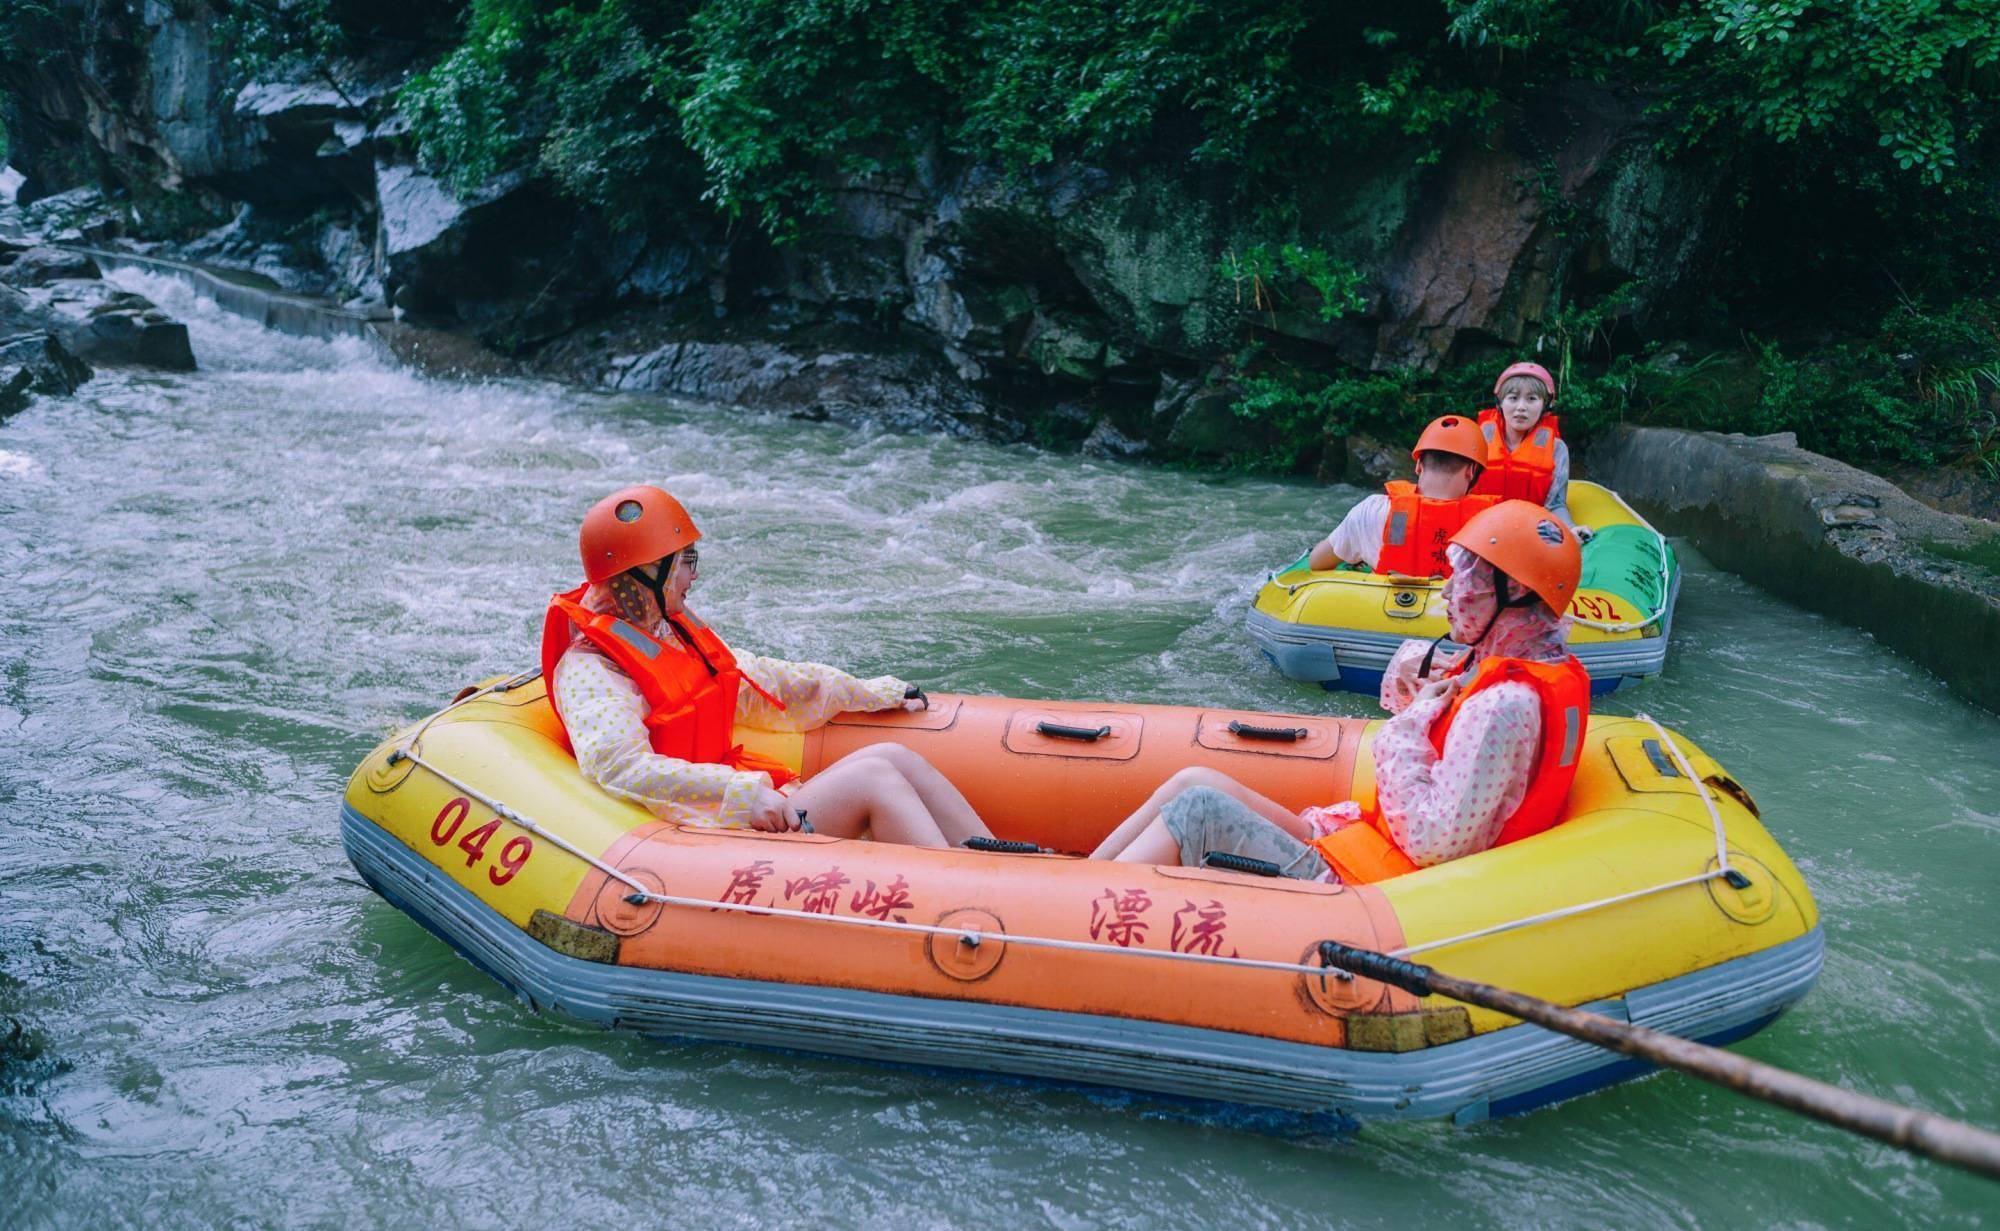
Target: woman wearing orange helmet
{"x":1479,"y":753}
{"x":1403,"y":528}
{"x":649,"y":697}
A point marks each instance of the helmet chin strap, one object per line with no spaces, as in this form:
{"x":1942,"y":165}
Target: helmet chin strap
{"x":1502,"y":602}
{"x":656,"y":583}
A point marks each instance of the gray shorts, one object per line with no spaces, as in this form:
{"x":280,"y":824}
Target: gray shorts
{"x":1203,"y":819}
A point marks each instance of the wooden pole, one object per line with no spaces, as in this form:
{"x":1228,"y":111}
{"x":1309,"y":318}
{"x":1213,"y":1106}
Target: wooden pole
{"x":1907,"y":1128}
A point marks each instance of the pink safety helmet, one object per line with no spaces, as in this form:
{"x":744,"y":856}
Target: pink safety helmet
{"x":1535,"y":370}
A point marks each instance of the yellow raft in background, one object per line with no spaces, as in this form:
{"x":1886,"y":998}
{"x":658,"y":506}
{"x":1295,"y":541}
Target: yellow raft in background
{"x":1339,"y":628}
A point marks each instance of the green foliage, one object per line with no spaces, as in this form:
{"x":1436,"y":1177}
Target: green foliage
{"x":1573,"y":329}
{"x":1259,"y":88}
{"x":478,"y":111}
{"x":32,"y":31}
{"x":261,"y":37}
{"x":1897,"y":77}
{"x":588,"y":94}
{"x":159,"y":214}
{"x":1260,"y":274}
{"x":782,"y":93}
{"x":756,"y":105}
{"x":1305,"y":411}
{"x":613,"y":136}
{"x":1924,"y":390}
{"x":761,"y":102}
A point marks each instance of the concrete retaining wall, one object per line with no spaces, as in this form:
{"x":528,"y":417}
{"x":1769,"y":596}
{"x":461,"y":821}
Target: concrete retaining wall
{"x":1829,"y":537}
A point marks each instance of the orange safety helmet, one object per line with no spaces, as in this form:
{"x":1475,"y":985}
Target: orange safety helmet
{"x":1524,"y":541}
{"x":1452,"y":434}
{"x":1535,"y":370}
{"x":633,"y":525}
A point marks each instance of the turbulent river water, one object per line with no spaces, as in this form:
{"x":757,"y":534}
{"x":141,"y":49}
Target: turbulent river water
{"x":221,"y":589}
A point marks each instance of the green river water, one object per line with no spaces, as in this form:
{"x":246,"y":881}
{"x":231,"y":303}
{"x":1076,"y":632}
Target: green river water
{"x":221,"y":589}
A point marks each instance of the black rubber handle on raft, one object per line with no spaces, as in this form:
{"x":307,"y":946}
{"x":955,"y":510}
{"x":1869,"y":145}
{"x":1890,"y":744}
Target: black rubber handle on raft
{"x":1056,"y":730}
{"x":913,"y":693}
{"x":1240,"y":863}
{"x":1246,"y":730}
{"x":1001,"y":846}
{"x":1395,"y":971}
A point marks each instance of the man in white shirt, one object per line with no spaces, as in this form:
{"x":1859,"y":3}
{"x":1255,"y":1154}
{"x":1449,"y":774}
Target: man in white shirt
{"x":1449,"y":456}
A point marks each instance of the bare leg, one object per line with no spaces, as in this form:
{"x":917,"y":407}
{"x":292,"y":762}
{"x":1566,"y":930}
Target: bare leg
{"x":857,"y":795}
{"x":1133,"y":826}
{"x":1203,"y":820}
{"x":945,"y":802}
{"x":1153,"y":845}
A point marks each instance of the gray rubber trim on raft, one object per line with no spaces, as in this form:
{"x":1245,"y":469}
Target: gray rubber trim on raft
{"x":1313,"y":653}
{"x":1460,"y":1079}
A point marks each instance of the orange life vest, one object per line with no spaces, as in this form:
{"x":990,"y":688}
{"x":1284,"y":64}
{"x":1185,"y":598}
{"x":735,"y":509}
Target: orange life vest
{"x":1525,"y":473}
{"x":1417,"y":529}
{"x":1363,"y":852}
{"x":690,"y":684}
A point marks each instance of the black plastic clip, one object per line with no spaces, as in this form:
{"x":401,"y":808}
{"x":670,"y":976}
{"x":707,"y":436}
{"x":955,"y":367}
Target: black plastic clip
{"x":1735,"y":879}
{"x":635,"y":898}
{"x":1056,"y":730}
{"x":1245,"y":730}
{"x":1240,"y":863}
{"x":914,"y":693}
{"x":1001,"y":846}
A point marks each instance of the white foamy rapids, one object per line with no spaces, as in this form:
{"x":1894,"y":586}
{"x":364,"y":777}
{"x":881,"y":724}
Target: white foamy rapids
{"x":223,"y":342}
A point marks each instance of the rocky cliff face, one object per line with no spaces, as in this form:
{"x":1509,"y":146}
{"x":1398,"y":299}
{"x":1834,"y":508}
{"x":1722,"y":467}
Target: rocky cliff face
{"x":56,"y":313}
{"x":1100,"y":300}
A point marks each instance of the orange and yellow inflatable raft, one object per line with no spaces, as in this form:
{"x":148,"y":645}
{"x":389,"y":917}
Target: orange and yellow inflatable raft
{"x":1187,"y":981}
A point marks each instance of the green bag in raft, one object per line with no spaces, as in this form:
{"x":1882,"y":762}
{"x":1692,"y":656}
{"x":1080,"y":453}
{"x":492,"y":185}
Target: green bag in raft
{"x":1625,"y":560}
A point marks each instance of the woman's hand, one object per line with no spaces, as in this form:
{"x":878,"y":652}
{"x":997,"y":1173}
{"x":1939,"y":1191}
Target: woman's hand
{"x":771,"y":812}
{"x":1399,"y":687}
{"x":1435,"y":690}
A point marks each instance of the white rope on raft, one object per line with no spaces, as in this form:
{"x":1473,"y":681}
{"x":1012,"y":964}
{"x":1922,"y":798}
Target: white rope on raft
{"x":506,"y":685}
{"x":1701,"y":788}
{"x":1721,"y":871}
{"x":973,"y":937}
{"x":1603,"y":626}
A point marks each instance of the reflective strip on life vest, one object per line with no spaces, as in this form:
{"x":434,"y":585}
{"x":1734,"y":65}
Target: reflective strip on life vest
{"x":630,"y":635}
